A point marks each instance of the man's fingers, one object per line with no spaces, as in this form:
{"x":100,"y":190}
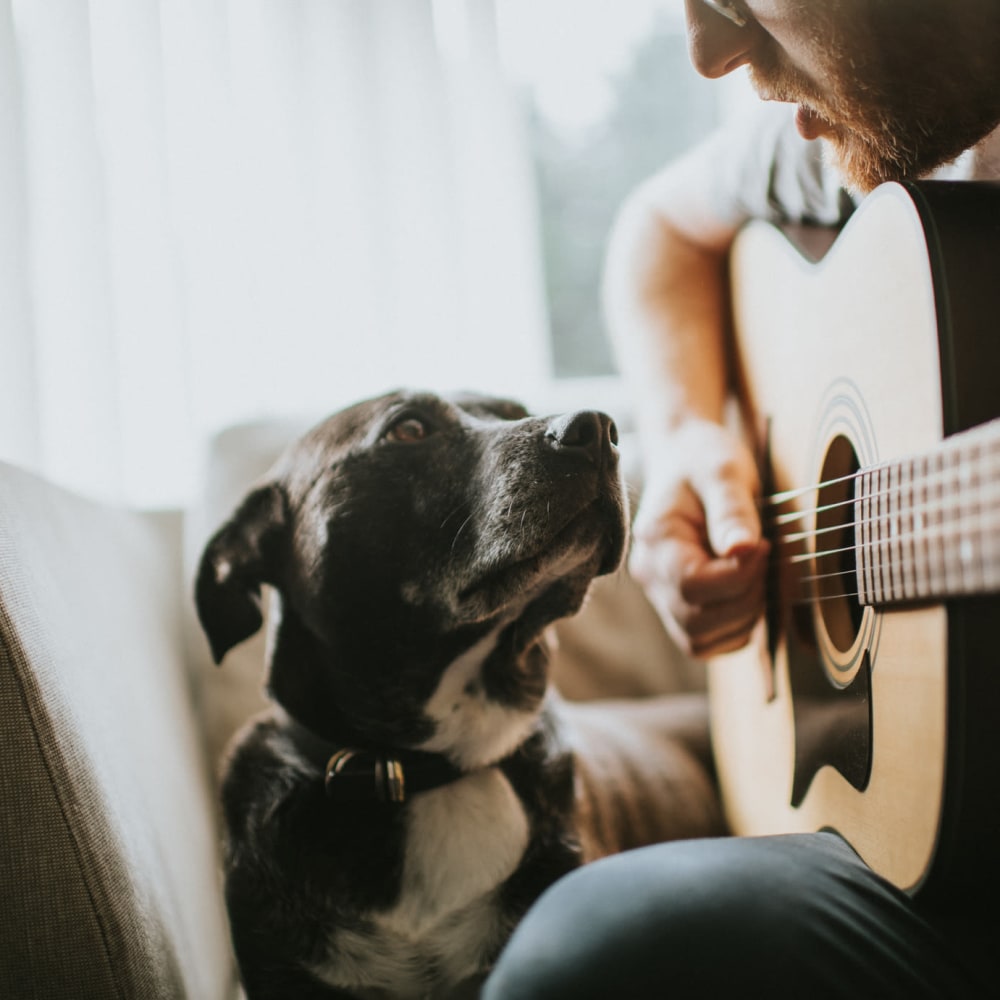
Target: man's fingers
{"x":731,"y":516}
{"x":718,"y":581}
{"x":711,"y":627}
{"x":708,"y":605}
{"x":702,"y":632}
{"x":697,"y":542}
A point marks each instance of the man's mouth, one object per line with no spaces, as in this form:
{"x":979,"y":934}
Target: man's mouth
{"x":786,"y":85}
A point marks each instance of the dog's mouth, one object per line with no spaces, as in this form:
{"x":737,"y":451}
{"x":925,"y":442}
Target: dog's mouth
{"x":591,"y":543}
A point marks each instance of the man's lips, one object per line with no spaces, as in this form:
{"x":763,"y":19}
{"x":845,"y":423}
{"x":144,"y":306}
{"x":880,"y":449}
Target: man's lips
{"x":811,"y":124}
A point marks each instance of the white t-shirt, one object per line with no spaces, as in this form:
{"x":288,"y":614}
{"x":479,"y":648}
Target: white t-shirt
{"x":759,"y":166}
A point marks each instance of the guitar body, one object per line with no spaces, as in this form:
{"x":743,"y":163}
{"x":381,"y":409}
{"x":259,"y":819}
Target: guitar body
{"x":879,"y":722}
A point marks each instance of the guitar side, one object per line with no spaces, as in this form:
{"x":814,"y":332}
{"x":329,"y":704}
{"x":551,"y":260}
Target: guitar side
{"x":837,"y":717}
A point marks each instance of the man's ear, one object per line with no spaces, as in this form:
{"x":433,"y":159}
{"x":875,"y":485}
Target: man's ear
{"x":237,"y":560}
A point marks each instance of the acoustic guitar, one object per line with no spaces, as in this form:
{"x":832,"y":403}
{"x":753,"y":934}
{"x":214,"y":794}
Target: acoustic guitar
{"x":868,"y":376}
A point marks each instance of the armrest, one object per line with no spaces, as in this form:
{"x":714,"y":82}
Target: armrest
{"x":108,"y":874}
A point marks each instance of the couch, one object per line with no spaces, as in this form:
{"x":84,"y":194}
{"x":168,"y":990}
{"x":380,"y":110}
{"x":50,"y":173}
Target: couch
{"x":114,"y":722}
{"x":109,"y":881}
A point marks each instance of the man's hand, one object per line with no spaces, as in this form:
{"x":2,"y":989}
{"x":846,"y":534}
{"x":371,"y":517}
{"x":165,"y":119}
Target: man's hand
{"x":697,"y":545}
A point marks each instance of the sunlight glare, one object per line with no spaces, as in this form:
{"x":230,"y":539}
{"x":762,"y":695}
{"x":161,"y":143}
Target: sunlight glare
{"x":566,"y":52}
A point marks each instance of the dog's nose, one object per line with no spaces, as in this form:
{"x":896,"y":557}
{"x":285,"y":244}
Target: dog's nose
{"x":587,"y":431}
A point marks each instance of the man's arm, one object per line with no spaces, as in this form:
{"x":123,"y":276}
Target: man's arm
{"x":697,"y":543}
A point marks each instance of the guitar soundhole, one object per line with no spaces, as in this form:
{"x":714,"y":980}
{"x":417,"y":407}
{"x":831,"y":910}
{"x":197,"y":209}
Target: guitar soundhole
{"x":834,"y":555}
{"x":829,"y":667}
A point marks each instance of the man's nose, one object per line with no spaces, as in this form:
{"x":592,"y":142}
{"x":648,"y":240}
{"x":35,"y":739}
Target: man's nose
{"x":716,"y":45}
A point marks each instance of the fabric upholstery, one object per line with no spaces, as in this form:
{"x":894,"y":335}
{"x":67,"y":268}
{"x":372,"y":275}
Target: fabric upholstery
{"x":108,"y":866}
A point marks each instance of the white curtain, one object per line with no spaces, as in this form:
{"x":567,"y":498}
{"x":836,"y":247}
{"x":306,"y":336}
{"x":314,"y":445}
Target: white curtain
{"x":216,"y":210}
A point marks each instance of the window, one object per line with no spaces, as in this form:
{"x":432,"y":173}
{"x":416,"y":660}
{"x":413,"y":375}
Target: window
{"x":609,"y":96}
{"x":224,"y":212}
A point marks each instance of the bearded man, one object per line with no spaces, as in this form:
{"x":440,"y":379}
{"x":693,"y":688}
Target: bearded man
{"x":874,"y":90}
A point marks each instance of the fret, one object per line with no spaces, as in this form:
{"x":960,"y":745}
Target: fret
{"x":871,"y":515}
{"x":950,"y":501}
{"x":908,"y":530}
{"x":983,"y":514}
{"x":990,"y":479}
{"x":871,"y":512}
{"x":970,"y":516}
{"x":862,"y":537}
{"x":892,"y":532}
{"x":981,"y":507}
{"x":968,"y":520}
{"x":935,"y":518}
{"x":926,"y":573}
{"x":863,"y":534}
{"x":884,"y":589}
{"x":951,"y":505}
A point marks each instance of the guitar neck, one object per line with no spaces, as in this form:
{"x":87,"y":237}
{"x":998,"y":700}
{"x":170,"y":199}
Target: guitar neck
{"x":928,"y":527}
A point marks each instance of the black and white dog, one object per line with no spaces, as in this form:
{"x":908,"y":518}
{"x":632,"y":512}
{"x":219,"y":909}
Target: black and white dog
{"x":416,"y":785}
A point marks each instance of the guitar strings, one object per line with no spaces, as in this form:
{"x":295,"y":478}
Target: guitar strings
{"x":922,"y":483}
{"x":892,"y":478}
{"x":977,"y":521}
{"x":971,"y":575}
{"x":978,"y":453}
{"x":785,"y":496}
{"x":932,"y":505}
{"x":988,"y":526}
{"x":981,"y":498}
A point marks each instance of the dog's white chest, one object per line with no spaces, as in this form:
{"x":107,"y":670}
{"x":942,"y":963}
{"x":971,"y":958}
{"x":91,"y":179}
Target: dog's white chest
{"x":463,"y":841}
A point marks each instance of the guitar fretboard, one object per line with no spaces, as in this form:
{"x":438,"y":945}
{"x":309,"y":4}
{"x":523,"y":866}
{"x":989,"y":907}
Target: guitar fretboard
{"x":928,"y":526}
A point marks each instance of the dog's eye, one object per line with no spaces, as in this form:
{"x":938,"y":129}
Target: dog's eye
{"x":407,"y":431}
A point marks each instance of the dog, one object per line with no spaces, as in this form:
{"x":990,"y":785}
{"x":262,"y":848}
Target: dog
{"x":416,"y":784}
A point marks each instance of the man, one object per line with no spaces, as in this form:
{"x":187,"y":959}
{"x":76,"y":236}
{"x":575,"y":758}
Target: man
{"x":891,"y":89}
{"x":880,"y":90}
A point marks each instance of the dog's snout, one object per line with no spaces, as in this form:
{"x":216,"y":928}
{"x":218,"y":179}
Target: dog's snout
{"x":586,"y":432}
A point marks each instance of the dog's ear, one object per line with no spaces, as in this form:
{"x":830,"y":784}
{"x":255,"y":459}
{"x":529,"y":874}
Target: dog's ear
{"x":237,"y":560}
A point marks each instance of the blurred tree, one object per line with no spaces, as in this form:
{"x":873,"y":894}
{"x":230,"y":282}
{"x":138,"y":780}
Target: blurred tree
{"x":660,"y":107}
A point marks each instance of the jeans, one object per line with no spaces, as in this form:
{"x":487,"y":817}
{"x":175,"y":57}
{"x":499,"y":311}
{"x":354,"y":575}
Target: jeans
{"x":789,"y":916}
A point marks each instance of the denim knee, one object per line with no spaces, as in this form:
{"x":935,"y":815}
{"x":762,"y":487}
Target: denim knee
{"x":792,"y":915}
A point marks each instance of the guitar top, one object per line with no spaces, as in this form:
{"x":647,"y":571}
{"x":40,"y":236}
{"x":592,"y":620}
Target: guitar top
{"x":868,"y":698}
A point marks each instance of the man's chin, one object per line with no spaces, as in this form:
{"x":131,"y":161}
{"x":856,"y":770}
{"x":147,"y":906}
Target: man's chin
{"x":866,"y":160}
{"x":862,"y":167}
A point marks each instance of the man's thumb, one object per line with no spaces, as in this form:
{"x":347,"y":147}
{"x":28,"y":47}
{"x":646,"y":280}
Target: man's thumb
{"x":732,"y":520}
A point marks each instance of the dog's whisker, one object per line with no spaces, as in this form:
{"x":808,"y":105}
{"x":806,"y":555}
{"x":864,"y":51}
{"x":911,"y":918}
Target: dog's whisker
{"x":461,"y":527}
{"x":463,"y":504}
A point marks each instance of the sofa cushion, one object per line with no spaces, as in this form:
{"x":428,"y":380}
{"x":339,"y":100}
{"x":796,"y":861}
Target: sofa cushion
{"x":108,"y":872}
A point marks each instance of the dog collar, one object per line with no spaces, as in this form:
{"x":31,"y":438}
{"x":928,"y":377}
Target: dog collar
{"x":359,"y":775}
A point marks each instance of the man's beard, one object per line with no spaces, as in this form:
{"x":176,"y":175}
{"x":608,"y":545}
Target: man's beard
{"x":879,"y":132}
